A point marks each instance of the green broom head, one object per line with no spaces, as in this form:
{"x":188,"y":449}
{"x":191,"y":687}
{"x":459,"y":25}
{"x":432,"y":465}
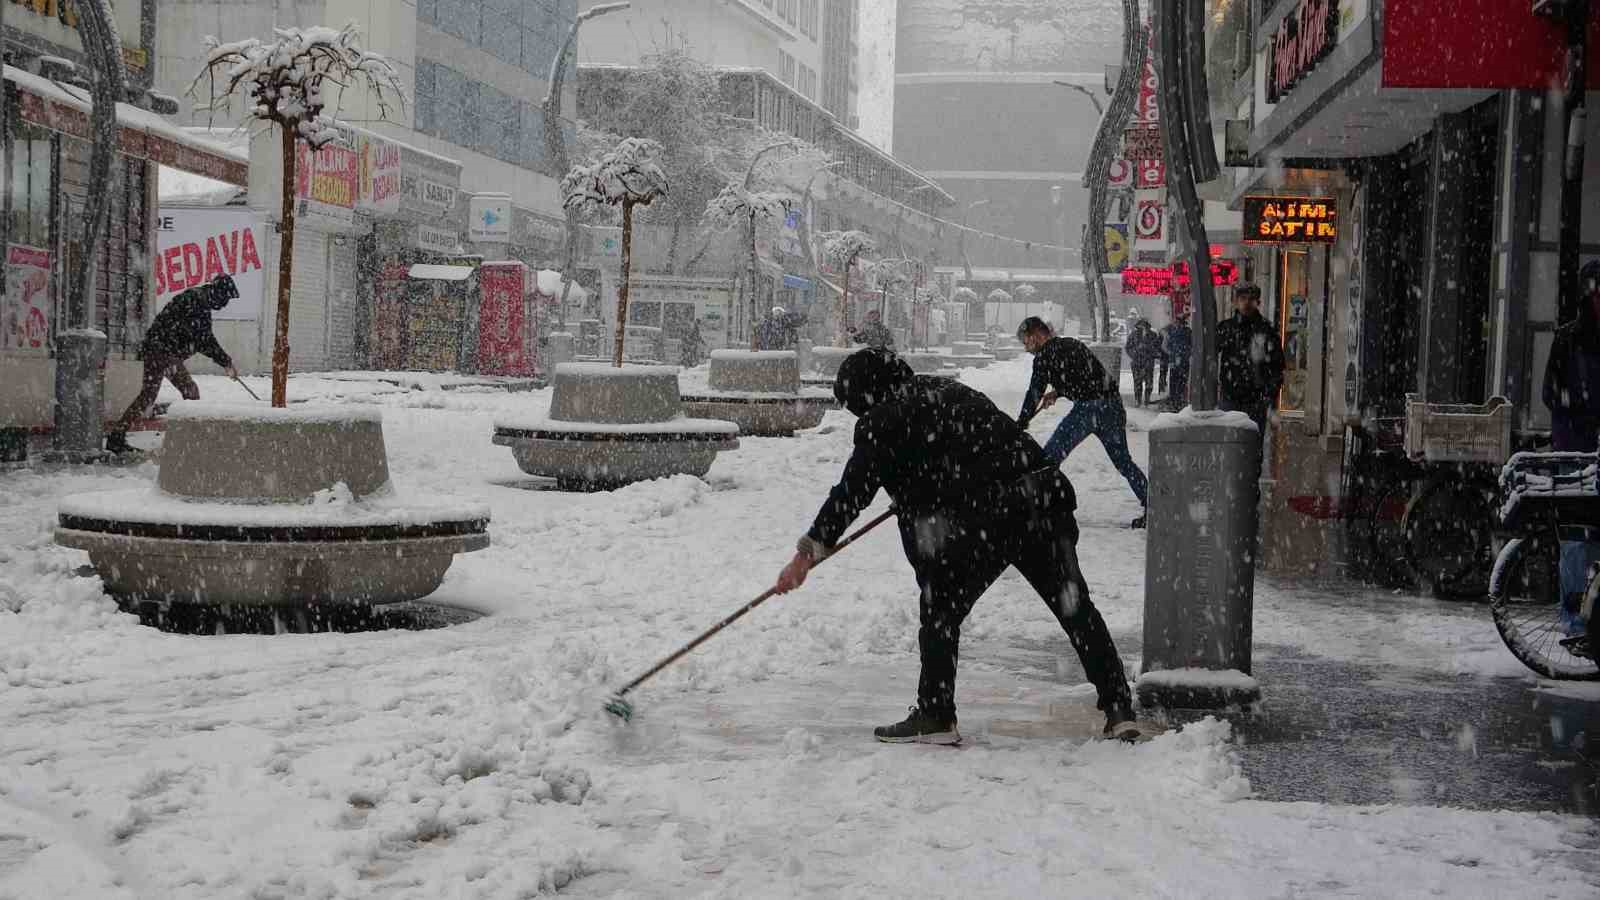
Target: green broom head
{"x":620,"y":708}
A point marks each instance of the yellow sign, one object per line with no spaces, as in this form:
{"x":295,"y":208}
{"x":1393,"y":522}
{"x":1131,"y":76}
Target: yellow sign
{"x":66,"y":12}
{"x":1116,"y":248}
{"x":1290,"y":220}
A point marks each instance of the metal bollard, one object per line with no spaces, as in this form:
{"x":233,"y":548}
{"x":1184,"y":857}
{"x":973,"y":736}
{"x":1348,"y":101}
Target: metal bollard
{"x":1199,"y":563}
{"x":80,"y":394}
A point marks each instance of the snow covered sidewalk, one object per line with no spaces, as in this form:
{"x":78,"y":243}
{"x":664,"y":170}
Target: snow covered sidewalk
{"x":474,"y":761}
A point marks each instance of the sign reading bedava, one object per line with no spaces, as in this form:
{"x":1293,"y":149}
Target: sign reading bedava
{"x":1290,"y":220}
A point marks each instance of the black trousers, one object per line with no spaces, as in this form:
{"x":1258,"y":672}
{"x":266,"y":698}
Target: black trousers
{"x":1143,"y":376}
{"x":956,"y":561}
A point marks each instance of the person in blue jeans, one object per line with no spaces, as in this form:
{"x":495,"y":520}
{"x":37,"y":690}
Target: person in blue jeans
{"x":1063,"y":367}
{"x":1572,"y":392}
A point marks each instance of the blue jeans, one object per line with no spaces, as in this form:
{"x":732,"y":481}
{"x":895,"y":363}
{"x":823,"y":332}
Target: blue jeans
{"x":1577,"y":559}
{"x":1108,"y":421}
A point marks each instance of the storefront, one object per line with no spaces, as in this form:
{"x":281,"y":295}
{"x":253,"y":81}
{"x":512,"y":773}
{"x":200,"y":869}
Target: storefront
{"x":46,"y":189}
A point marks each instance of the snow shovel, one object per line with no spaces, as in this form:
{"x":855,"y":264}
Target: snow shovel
{"x":247,"y":389}
{"x":622,"y":709}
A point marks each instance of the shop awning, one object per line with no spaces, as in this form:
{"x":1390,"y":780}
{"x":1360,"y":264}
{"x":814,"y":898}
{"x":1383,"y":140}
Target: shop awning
{"x":430,"y":272}
{"x":142,"y":133}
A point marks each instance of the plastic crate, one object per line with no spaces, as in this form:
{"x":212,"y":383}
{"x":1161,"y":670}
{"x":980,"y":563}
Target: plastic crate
{"x":1564,"y":485}
{"x":1458,"y":432}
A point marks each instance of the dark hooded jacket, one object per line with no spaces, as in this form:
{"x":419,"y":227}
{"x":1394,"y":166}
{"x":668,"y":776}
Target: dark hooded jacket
{"x":1572,"y":383}
{"x":1144,"y":345}
{"x":936,"y":446}
{"x":1071,"y":368}
{"x":1250,"y":361}
{"x":183,"y":327}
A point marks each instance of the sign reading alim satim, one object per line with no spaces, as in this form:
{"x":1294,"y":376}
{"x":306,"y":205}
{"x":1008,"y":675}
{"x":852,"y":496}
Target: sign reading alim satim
{"x":1290,"y":220}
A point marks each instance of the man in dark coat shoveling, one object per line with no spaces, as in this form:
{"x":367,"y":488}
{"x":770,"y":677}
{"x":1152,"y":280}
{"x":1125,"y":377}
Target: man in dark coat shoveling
{"x":180,"y":330}
{"x":974,"y":494}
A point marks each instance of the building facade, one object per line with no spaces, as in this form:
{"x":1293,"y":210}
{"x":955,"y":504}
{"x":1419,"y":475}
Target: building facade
{"x":841,"y":53}
{"x":1425,"y":168}
{"x":47,"y":139}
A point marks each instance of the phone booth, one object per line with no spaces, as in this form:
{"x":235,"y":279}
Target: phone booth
{"x":507,"y":328}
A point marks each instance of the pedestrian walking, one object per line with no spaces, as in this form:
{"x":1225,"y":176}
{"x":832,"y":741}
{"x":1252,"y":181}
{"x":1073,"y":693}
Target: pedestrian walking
{"x":873,"y":332}
{"x":973,"y":494}
{"x":1572,"y":393}
{"x":180,"y":330}
{"x":693,"y":348}
{"x":1144,"y":348}
{"x":1065,"y":367}
{"x":1249,"y":358}
{"x":1177,"y":347}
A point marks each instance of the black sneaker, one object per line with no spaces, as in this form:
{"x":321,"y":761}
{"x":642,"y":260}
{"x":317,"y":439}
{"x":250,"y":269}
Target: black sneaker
{"x":1138,"y":523}
{"x":117,"y":442}
{"x":920,"y":728}
{"x":1579,"y":646}
{"x":1120,"y":723}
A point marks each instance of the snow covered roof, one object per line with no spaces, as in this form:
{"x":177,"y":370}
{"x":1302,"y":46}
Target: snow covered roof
{"x":128,"y":116}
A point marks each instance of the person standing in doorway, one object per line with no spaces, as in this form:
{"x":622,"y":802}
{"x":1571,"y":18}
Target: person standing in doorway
{"x":1572,"y":392}
{"x":1065,"y":367}
{"x":180,"y":330}
{"x":1250,"y":358}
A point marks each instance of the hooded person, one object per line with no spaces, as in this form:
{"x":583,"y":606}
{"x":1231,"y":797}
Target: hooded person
{"x":973,"y":494}
{"x":180,"y":330}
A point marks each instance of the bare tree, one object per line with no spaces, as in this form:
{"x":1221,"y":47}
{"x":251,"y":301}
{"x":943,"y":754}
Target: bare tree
{"x":737,"y":204}
{"x":841,"y":249}
{"x":628,"y":176}
{"x":284,"y":82}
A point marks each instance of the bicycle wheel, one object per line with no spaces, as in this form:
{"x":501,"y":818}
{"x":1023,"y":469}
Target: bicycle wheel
{"x":1449,"y":535}
{"x":1525,"y":602}
{"x":1385,"y":514}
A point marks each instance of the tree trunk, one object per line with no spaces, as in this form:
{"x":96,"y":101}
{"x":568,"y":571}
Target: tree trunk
{"x":622,"y":291}
{"x":280,"y":339}
{"x":755,"y":293}
{"x":841,"y":308}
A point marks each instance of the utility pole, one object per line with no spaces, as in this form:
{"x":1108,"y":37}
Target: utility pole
{"x":1061,"y":248}
{"x":1574,"y":15}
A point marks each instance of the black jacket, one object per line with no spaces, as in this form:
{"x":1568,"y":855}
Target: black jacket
{"x":874,"y":334}
{"x":1144,"y":346}
{"x":1572,"y":384}
{"x":1071,"y":368}
{"x":183,"y":328}
{"x":1250,"y":360}
{"x":939,"y":446}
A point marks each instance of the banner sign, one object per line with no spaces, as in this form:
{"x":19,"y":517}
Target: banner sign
{"x":1303,"y":38}
{"x":379,"y":167}
{"x":194,"y":246}
{"x":328,"y":180}
{"x":25,"y":320}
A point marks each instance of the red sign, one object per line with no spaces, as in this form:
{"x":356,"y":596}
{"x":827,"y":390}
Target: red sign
{"x":504,"y":329}
{"x":1119,"y":174}
{"x":1224,"y":272}
{"x":1304,"y":37}
{"x":1147,"y":221}
{"x":1152,"y":174}
{"x":331,"y":176}
{"x":1486,"y":44}
{"x":1143,"y":142}
{"x":1147,"y":109}
{"x":1149,"y":281}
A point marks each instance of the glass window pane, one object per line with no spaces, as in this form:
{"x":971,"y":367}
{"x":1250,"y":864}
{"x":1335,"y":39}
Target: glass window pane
{"x":502,"y":37}
{"x":461,"y":18}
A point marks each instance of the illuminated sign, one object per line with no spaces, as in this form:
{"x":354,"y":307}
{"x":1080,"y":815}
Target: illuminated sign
{"x":1304,"y":38}
{"x":1151,"y":281}
{"x":1290,"y":220}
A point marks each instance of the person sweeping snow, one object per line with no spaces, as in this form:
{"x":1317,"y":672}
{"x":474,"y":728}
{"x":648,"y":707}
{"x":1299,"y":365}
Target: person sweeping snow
{"x":974,"y":493}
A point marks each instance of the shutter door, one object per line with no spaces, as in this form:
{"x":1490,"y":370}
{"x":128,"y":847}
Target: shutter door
{"x":308,"y":303}
{"x":342,"y":306}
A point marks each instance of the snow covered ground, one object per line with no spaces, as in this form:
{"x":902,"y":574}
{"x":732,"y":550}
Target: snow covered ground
{"x":474,"y":761}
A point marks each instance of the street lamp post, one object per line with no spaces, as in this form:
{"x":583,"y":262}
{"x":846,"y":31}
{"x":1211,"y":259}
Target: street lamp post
{"x":1061,"y":247}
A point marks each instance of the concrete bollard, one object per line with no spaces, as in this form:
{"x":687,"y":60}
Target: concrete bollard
{"x":80,"y":394}
{"x":1199,"y":564}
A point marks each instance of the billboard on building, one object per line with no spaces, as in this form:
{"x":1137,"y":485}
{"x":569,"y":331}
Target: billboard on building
{"x":328,"y":180}
{"x":195,"y":245}
{"x":378,"y":166}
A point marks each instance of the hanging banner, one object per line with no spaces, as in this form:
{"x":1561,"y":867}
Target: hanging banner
{"x":194,"y":246}
{"x":503,"y":337}
{"x":379,"y":175}
{"x":25,"y":321}
{"x":1116,"y":248}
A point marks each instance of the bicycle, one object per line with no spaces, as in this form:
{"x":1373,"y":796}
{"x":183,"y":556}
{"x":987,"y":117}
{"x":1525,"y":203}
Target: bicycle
{"x":1544,"y":492}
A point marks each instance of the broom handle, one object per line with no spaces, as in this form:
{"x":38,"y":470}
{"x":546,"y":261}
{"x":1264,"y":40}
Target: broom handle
{"x":247,"y":388}
{"x":739,"y":613}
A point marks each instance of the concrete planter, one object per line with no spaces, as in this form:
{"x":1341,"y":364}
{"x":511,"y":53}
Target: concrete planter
{"x":825,"y":361}
{"x":262,"y":507}
{"x":969,"y":355}
{"x":928,"y":363}
{"x":612,"y":426}
{"x":758,"y":391}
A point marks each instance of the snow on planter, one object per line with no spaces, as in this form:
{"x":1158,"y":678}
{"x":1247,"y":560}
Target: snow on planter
{"x":970,"y":355}
{"x":255,"y":506}
{"x":825,"y":361}
{"x":929,"y":363}
{"x":1197,"y":688}
{"x":610,"y":426}
{"x":758,"y":390}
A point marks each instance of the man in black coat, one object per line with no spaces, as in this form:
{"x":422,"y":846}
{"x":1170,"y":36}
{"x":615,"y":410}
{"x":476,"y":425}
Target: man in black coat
{"x":1144,"y":348}
{"x":1249,"y":357}
{"x":180,"y":330}
{"x":973,"y":494}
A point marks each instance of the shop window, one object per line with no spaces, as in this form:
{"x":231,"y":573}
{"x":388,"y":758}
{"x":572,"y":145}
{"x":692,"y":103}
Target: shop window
{"x":1294,"y":323}
{"x":28,"y":202}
